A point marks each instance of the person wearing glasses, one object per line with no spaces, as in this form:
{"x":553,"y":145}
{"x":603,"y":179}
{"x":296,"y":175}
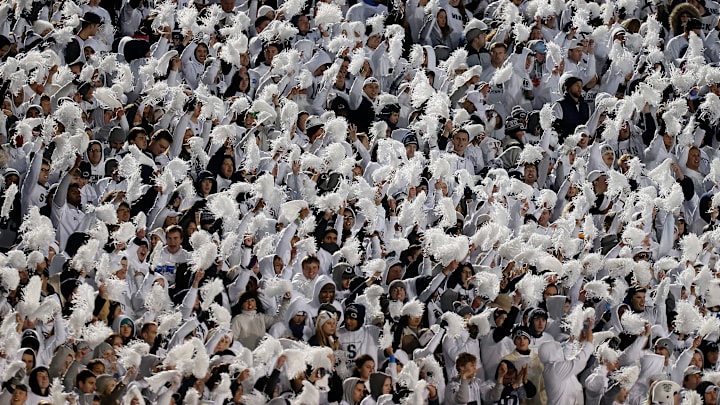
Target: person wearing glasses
{"x":96,"y":157}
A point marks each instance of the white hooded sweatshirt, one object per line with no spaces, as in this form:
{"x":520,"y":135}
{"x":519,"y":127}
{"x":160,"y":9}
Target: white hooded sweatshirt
{"x":561,"y":383}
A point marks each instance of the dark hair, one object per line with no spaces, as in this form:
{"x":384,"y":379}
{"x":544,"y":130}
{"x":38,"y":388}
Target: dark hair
{"x":110,"y":316}
{"x":260,"y":20}
{"x":134,"y":132}
{"x":277,"y":46}
{"x":190,"y":104}
{"x":446,"y":30}
{"x":83,"y":376}
{"x":174,"y":228}
{"x":246,"y":296}
{"x":201,"y":44}
{"x":309,"y":260}
{"x":359,"y":362}
{"x":163,"y":134}
{"x":93,"y":362}
{"x":32,"y":353}
{"x":463,"y":359}
{"x":4,"y":41}
{"x":146,"y":326}
{"x":455,"y":278}
{"x":234,"y":86}
{"x":32,"y":381}
{"x":508,"y":363}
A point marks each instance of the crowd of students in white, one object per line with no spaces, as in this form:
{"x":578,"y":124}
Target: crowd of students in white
{"x":329,"y":202}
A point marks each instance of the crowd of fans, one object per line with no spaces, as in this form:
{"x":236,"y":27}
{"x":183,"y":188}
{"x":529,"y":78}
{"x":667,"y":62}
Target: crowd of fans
{"x":318,"y":202}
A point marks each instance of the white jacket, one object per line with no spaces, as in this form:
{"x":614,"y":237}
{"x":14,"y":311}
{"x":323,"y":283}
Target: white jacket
{"x":561,"y":383}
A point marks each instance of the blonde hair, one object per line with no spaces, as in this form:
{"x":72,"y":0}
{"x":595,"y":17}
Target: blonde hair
{"x":324,"y":340}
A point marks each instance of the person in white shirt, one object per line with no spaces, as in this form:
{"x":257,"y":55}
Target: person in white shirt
{"x":34,"y":193}
{"x":677,"y":46}
{"x":580,"y":62}
{"x":173,"y":254}
{"x":67,"y":211}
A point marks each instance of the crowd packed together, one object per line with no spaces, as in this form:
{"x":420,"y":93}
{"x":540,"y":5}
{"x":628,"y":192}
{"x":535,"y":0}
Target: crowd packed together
{"x":508,"y":202}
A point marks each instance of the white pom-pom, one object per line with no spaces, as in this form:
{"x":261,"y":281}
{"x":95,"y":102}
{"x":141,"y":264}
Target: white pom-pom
{"x":386,"y":337}
{"x":130,"y":355}
{"x":107,"y":98}
{"x":531,"y":288}
{"x":487,"y":285}
{"x":633,"y":236}
{"x":547,"y":117}
{"x":710,"y":108}
{"x":641,"y":273}
{"x":413,"y":308}
{"x":546,"y":199}
{"x":9,"y":199}
{"x":632,"y":323}
{"x":169,"y":322}
{"x":309,"y":395}
{"x":446,"y":210}
{"x":374,"y":267}
{"x":455,"y":324}
{"x":368,"y":209}
{"x":502,"y":75}
{"x":158,"y":300}
{"x":445,"y":248}
{"x":626,"y":376}
{"x":209,"y":291}
{"x":38,"y":231}
{"x":397,"y":245}
{"x":691,"y":247}
{"x":220,"y":315}
{"x":222,"y":133}
{"x":192,"y":397}
{"x":482,"y":321}
{"x":617,"y":184}
{"x":276,"y":287}
{"x":295,"y":362}
{"x":530,"y":154}
{"x":307,"y":246}
{"x":125,"y":233}
{"x":688,"y":318}
{"x":607,"y":353}
{"x":554,"y":53}
{"x":106,"y":213}
{"x":708,"y":324}
{"x":96,"y":333}
{"x":356,"y":61}
{"x":327,"y":14}
{"x":203,"y":257}
{"x":31,"y":307}
{"x":224,"y":207}
{"x":597,"y":289}
{"x":714,"y":174}
{"x":115,"y":287}
{"x":691,"y":397}
{"x":575,"y":320}
{"x":292,"y":8}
